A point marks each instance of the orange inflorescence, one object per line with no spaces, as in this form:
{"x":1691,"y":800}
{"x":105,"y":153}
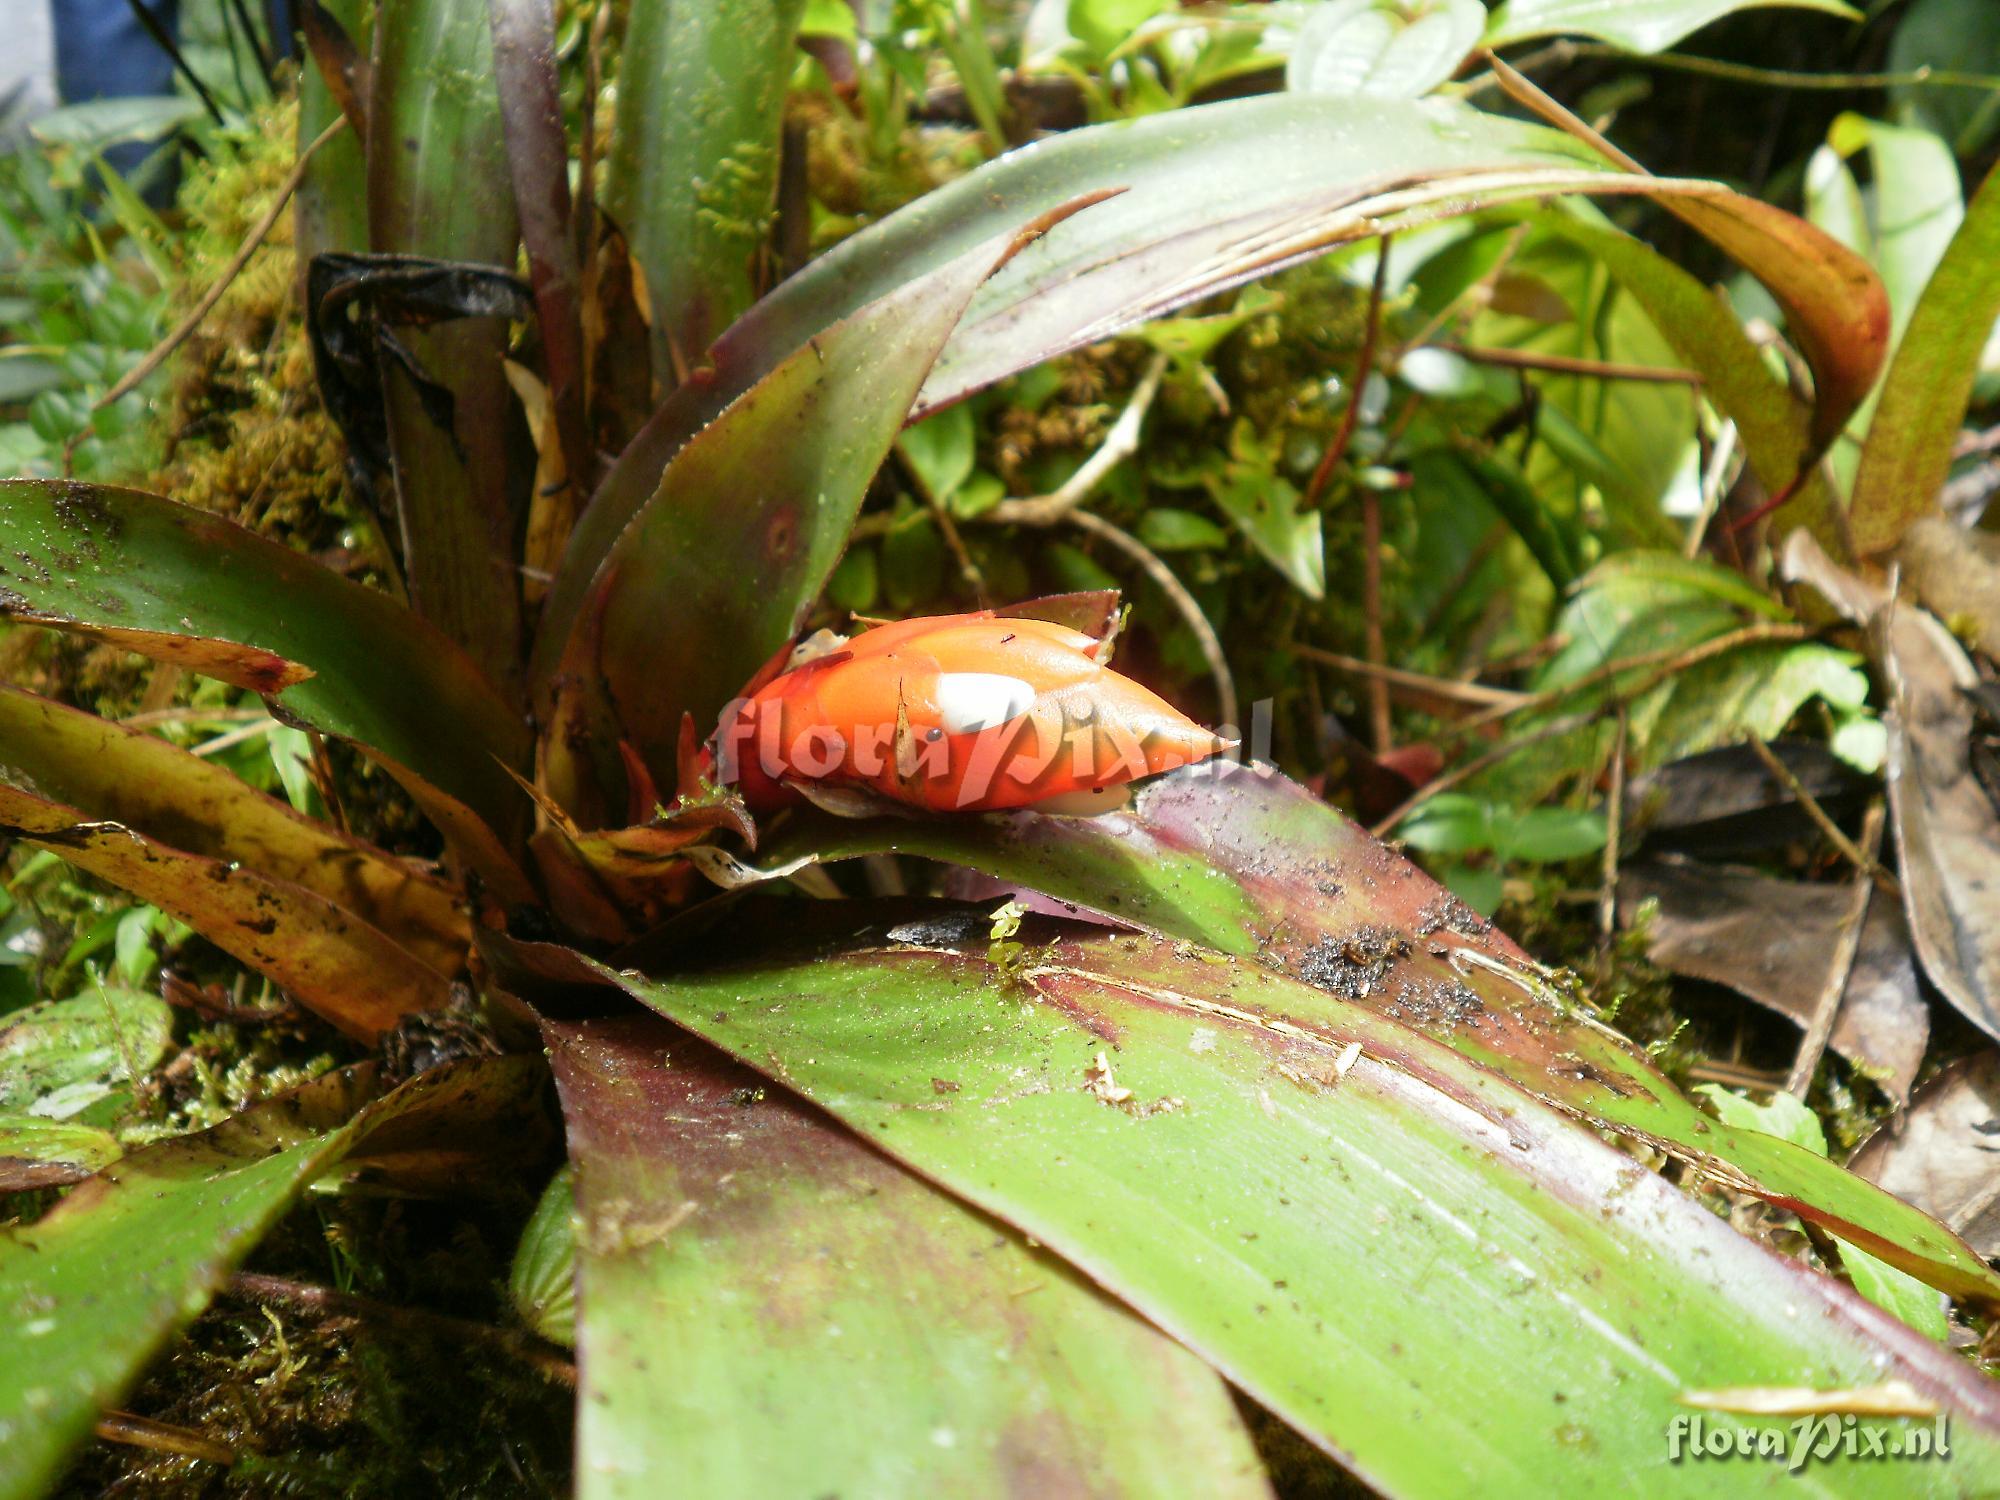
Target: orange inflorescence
{"x":960,"y":713}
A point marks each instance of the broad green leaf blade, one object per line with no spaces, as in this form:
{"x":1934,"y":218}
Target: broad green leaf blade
{"x":1908,"y":453}
{"x":439,"y":186}
{"x":1252,"y":864}
{"x":751,"y":516}
{"x":92,"y":1290}
{"x":156,"y":789}
{"x":336,"y":965}
{"x":693,"y":169}
{"x":741,"y":1253}
{"x":1447,"y":1283}
{"x":1637,"y":25}
{"x":182,"y":585}
{"x":1205,"y":199}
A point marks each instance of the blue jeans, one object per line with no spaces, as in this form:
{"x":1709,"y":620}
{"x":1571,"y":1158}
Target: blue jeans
{"x":102,"y":52}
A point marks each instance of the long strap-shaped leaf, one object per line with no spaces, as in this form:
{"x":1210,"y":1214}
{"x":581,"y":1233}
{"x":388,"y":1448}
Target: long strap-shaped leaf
{"x":91,"y":1291}
{"x":693,"y":170}
{"x":1909,"y":448}
{"x":1206,"y":197}
{"x":181,"y":585}
{"x":750,"y":517}
{"x":439,"y":186}
{"x":742,"y":1254}
{"x":1253,"y":864}
{"x":1449,"y":1285}
{"x":332,"y":962}
{"x":126,"y":776}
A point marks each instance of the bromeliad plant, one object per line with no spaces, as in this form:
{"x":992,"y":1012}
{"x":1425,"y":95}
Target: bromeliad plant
{"x":1029,"y":1193}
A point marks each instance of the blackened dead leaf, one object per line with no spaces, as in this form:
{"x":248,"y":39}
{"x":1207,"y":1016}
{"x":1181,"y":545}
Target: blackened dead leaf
{"x":354,"y":302}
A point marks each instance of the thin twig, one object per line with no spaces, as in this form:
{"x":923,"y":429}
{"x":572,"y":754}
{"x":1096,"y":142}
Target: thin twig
{"x":1614,"y":824}
{"x":1119,"y":444}
{"x":1713,"y":478}
{"x":135,"y":1431}
{"x":1380,"y":730}
{"x":1364,"y":366}
{"x":1781,"y":78}
{"x":1670,"y":661}
{"x":1865,"y":864}
{"x":1532,"y":96}
{"x":157,"y":356}
{"x":1826,"y":1007}
{"x":269,"y":1290}
{"x":1476,"y":694}
{"x":164,"y":40}
{"x":1565,"y":364}
{"x":1179,"y":597}
{"x":184,"y":713}
{"x":1459,"y":775}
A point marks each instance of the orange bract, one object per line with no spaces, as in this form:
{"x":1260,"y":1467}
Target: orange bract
{"x":963,"y":713}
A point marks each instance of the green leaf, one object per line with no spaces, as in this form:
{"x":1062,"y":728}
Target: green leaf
{"x":1790,"y":1120}
{"x":942,"y":450}
{"x":1549,"y":835}
{"x":1917,"y":204}
{"x":693,"y":165}
{"x":185,"y":586}
{"x":1395,"y":49}
{"x":1103,"y":25}
{"x":439,"y":186}
{"x":1636,"y":25}
{"x":1165,"y":529}
{"x":330,"y":208}
{"x":90,"y":1291}
{"x":542,"y":1283}
{"x":1312,"y":1195}
{"x":1266,"y":509}
{"x":1254,"y":865}
{"x":60,"y":1057}
{"x":800,"y":1262}
{"x":35,"y":1152}
{"x":1782,"y":1115}
{"x":1924,"y":395}
{"x":1962,"y":36}
{"x":1704,"y":333}
{"x":136,"y":779}
{"x":1449,"y":823}
{"x":1198,"y":197}
{"x":99,"y":124}
{"x":752,"y":514}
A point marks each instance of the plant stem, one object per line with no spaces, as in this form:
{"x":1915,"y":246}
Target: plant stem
{"x":1826,"y":1009}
